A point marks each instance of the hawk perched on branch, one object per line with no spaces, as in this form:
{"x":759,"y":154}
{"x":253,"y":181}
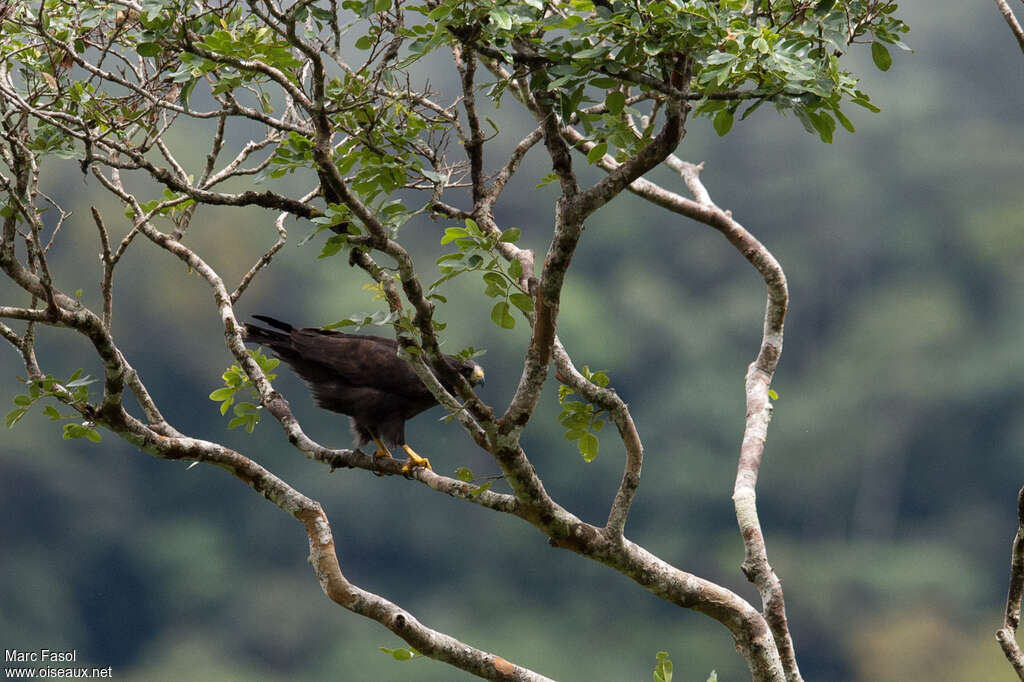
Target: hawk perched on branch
{"x":361,"y":376}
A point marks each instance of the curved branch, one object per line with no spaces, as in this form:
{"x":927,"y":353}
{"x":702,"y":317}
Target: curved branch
{"x":757,"y":384}
{"x":323,"y":556}
{"x":617,"y":409}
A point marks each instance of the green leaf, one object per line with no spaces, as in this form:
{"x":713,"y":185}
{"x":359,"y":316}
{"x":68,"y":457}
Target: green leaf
{"x":238,"y":421}
{"x":511,"y":235}
{"x":845,"y":122}
{"x":501,"y":19}
{"x":501,"y":317}
{"x":14,"y":415}
{"x":588,"y":445}
{"x":663,"y":669}
{"x":81,"y":431}
{"x":333,"y":245}
{"x":51,"y":412}
{"x":401,"y":654}
{"x":590,"y":53}
{"x":522,"y":301}
{"x":222,"y":394}
{"x":615,"y":101}
{"x":723,"y":122}
{"x":824,"y":124}
{"x":480,"y":489}
{"x":464,"y":474}
{"x":244,"y":408}
{"x":823,"y":7}
{"x":880,"y":55}
{"x":453,"y":233}
{"x":596,"y":152}
{"x":496,"y":280}
{"x":148,"y":49}
{"x":22,"y":400}
{"x":864,"y":102}
{"x":772,"y":394}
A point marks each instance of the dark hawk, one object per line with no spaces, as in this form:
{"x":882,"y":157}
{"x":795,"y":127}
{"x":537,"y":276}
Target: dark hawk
{"x":361,"y":376}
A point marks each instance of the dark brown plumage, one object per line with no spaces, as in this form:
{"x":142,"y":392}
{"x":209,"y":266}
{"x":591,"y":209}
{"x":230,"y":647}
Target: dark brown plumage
{"x":360,"y":376}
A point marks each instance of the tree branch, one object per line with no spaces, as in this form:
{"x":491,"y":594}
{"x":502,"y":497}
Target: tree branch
{"x":1007,"y":635}
{"x":1012,"y":22}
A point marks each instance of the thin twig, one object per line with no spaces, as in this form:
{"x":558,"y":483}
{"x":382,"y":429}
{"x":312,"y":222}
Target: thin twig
{"x":1007,"y":635}
{"x":106,"y":283}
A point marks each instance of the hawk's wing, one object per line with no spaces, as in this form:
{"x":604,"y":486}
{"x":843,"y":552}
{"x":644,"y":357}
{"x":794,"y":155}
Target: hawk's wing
{"x":357,"y":360}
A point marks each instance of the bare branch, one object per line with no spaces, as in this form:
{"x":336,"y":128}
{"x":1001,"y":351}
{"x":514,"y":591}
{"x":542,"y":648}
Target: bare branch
{"x":465,"y":62}
{"x":1012,"y":22}
{"x":107,"y":282}
{"x":1007,"y":635}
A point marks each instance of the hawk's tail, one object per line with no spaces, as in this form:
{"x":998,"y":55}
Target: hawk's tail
{"x":268,"y":337}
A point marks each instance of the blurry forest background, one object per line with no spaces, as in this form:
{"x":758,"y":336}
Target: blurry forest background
{"x":889,"y":483}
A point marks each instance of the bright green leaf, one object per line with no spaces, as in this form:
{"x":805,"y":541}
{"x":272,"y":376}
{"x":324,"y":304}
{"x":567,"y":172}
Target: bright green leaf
{"x":588,"y":445}
{"x":401,"y":654}
{"x":480,"y":490}
{"x":222,"y":394}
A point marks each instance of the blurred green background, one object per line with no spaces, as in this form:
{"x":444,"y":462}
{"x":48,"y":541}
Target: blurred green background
{"x":887,"y":493}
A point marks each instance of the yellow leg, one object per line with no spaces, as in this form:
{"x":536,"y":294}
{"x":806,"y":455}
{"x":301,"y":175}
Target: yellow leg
{"x":382,"y":450}
{"x":414,"y":460}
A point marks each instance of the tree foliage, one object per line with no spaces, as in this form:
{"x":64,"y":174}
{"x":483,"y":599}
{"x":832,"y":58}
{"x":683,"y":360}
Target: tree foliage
{"x":354,"y":142}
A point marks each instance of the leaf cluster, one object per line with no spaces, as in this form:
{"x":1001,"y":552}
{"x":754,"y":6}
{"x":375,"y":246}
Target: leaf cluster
{"x":582,"y":421}
{"x":598,"y":53}
{"x":73,"y":391}
{"x":477,"y":252}
{"x":663,"y":668}
{"x":235,"y":379}
{"x":466,"y":475}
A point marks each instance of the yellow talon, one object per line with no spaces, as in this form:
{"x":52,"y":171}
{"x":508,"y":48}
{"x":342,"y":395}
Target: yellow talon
{"x":414,"y":460}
